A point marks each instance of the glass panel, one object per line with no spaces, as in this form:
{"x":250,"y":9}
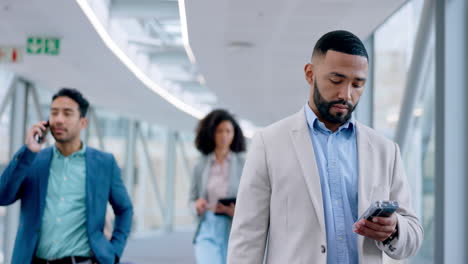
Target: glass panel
{"x":186,"y":158}
{"x":394,"y":42}
{"x":5,"y":78}
{"x":5,"y":82}
{"x":149,"y":216}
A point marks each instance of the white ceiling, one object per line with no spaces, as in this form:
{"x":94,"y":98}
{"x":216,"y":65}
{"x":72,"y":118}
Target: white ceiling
{"x":251,"y":53}
{"x":84,"y":62}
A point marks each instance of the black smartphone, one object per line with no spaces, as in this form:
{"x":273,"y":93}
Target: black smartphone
{"x":380,"y":209}
{"x":227,"y":201}
{"x":39,"y":139}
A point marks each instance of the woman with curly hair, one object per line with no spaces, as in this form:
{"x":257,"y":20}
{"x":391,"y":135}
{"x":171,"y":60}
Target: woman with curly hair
{"x":216,"y":176}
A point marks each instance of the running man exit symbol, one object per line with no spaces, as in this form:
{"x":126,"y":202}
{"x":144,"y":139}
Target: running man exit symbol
{"x":40,"y":45}
{"x":34,"y":45}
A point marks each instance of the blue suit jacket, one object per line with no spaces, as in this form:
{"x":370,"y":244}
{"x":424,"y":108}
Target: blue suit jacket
{"x":26,"y":178}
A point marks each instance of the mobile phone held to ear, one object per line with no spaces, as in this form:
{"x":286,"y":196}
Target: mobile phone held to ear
{"x":379,"y":208}
{"x":40,"y":139}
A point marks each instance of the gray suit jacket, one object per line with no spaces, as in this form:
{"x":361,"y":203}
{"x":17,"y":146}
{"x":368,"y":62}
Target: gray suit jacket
{"x":201,"y":173}
{"x":280,"y":199}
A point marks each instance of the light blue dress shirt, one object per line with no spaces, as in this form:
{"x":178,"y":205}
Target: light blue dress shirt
{"x":63,"y":231}
{"x":337,"y":162}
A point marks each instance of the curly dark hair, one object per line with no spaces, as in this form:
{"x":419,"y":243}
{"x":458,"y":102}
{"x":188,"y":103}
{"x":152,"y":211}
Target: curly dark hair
{"x":205,"y":142}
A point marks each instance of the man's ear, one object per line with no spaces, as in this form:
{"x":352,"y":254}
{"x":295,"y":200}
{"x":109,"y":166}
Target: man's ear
{"x":309,"y":73}
{"x":83,"y":122}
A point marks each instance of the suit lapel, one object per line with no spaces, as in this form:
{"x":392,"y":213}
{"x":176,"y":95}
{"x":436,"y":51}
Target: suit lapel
{"x":306,"y":156}
{"x":43,"y":171}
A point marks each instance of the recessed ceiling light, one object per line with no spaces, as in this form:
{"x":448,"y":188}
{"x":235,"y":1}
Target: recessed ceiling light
{"x":240,"y":44}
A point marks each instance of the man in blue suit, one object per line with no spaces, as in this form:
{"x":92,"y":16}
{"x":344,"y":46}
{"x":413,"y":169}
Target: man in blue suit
{"x":64,"y":191}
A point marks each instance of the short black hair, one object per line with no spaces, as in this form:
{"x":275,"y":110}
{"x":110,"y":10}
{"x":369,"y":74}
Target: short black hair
{"x":204,"y":140}
{"x":340,"y":41}
{"x":76,"y":96}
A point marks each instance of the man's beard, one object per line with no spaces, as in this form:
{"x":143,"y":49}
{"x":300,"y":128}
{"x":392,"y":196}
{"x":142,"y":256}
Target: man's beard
{"x":64,"y":139}
{"x":323,"y":107}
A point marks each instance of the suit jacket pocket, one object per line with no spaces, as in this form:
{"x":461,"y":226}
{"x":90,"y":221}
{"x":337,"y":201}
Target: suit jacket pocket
{"x":103,"y":249}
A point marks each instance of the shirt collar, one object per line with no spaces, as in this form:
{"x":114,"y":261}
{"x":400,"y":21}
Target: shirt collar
{"x":316,"y":126}
{"x":212,"y":157}
{"x":79,"y":153}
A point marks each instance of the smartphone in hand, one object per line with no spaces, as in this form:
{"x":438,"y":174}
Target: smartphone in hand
{"x":226,"y":202}
{"x":40,"y":139}
{"x":379,"y":208}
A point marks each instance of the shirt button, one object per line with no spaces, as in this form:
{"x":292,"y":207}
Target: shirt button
{"x":323,"y":249}
{"x":62,"y":199}
{"x":59,"y":219}
{"x":65,"y":178}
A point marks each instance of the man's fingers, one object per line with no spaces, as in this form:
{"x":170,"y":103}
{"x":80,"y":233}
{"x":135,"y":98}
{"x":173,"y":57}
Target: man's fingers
{"x":390,"y":221}
{"x":379,"y":227}
{"x":37,"y":131}
{"x":376,"y":235}
{"x":40,"y":126}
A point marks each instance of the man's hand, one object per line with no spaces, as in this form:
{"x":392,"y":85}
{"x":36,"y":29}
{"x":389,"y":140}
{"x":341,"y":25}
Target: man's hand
{"x":201,"y":206}
{"x":38,"y":129}
{"x":380,"y":228}
{"x":228,"y":210}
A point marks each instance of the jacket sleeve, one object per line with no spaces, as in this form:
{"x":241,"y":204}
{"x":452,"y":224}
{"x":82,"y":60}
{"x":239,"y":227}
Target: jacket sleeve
{"x":13,"y":176}
{"x":195,"y":183}
{"x":123,"y":210}
{"x":410,"y":231}
{"x":251,"y":220}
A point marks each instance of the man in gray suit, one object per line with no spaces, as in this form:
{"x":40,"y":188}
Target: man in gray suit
{"x":310,"y":176}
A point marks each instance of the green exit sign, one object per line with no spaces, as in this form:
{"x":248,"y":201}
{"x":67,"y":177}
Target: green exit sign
{"x":40,"y":45}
